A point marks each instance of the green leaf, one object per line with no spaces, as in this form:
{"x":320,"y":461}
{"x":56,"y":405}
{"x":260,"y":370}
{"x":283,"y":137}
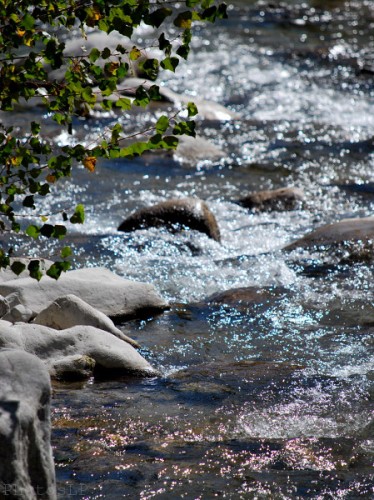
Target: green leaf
{"x":157,"y":17}
{"x":65,"y":252}
{"x":35,"y":128}
{"x":170,"y":63}
{"x":192,"y":109}
{"x":57,"y":268}
{"x":124,"y":103}
{"x":184,"y":20}
{"x":162,"y":124}
{"x":28,"y":202}
{"x":32,"y":231}
{"x":18,"y":267}
{"x":34,"y":269}
{"x":94,"y":55}
{"x":78,"y":215}
{"x":185,"y":128}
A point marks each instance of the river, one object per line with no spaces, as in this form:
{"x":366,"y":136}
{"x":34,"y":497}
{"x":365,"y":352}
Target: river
{"x":270,"y":397}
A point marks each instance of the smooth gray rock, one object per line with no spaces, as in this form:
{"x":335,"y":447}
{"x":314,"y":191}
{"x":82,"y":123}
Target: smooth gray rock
{"x":4,"y":306}
{"x":195,"y":149}
{"x":287,"y":198}
{"x":186,"y":212}
{"x":345,"y":230}
{"x":26,"y":462}
{"x":19,"y":313}
{"x":100,"y":288}
{"x":54,"y":347}
{"x":70,"y":310}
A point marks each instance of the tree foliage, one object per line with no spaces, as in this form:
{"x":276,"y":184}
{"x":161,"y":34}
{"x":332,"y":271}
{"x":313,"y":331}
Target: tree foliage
{"x":33,"y":38}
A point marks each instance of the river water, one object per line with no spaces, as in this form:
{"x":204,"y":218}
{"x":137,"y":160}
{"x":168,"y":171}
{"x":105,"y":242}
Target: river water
{"x":270,"y":396}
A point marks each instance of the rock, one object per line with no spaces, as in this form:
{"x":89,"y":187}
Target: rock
{"x":78,"y":46}
{"x":339,"y":232}
{"x":26,"y":462}
{"x":19,"y":313}
{"x":189,"y":212}
{"x":105,"y":291}
{"x":73,"y":368}
{"x":63,"y":348}
{"x":249,"y":297}
{"x":195,"y":149}
{"x":208,"y":110}
{"x":70,"y":310}
{"x":4,"y":306}
{"x":278,"y":199}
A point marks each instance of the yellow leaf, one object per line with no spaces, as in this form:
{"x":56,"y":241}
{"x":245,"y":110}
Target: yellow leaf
{"x":135,"y":54}
{"x":16,"y":160}
{"x":20,"y":32}
{"x":90,"y":163}
{"x":44,"y":218}
{"x":51,"y":178}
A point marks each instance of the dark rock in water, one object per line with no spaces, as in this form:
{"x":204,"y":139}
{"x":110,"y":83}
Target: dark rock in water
{"x":217,"y":380}
{"x":339,"y":232}
{"x":277,"y":199}
{"x":173,"y":214}
{"x":248,"y":297}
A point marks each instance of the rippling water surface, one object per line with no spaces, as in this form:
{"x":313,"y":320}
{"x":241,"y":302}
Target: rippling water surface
{"x":270,"y":396}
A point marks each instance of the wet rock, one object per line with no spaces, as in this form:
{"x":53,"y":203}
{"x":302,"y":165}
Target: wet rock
{"x":73,"y":368}
{"x":360,"y":229}
{"x":287,"y":198}
{"x":222,"y":379}
{"x":63,"y":348}
{"x":105,"y":291}
{"x":176,"y":213}
{"x":195,"y":149}
{"x":208,"y":110}
{"x":248,"y":297}
{"x":26,"y":462}
{"x":70,"y":310}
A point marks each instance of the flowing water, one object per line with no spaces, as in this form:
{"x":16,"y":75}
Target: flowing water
{"x":268,"y":396}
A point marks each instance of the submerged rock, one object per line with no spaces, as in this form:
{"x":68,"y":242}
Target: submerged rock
{"x":360,"y":229}
{"x":287,"y":198}
{"x":63,"y":348}
{"x":173,"y":214}
{"x":26,"y":463}
{"x":100,"y":288}
{"x":70,"y":310}
{"x":247,"y":297}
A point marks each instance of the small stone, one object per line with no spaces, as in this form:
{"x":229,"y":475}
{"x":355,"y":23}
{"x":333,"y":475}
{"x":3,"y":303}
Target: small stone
{"x":283,"y":199}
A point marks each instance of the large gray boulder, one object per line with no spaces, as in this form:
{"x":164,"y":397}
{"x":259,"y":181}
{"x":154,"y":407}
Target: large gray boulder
{"x":84,"y":343}
{"x":70,"y":310}
{"x":176,"y":213}
{"x":346,"y":230}
{"x":100,"y":288}
{"x":26,"y":462}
